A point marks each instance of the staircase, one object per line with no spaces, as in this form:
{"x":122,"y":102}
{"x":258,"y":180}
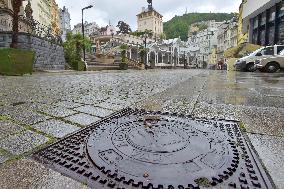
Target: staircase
{"x":95,"y":64}
{"x":98,"y":64}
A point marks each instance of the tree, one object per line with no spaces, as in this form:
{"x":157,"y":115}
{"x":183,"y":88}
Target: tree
{"x":162,"y":36}
{"x":73,"y":48}
{"x":16,"y":4}
{"x":123,"y":49}
{"x":124,"y":28}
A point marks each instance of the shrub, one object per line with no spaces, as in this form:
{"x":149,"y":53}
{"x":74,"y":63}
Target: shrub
{"x":16,"y":61}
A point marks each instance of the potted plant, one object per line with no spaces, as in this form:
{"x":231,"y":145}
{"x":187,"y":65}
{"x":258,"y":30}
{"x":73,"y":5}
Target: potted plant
{"x":123,"y":64}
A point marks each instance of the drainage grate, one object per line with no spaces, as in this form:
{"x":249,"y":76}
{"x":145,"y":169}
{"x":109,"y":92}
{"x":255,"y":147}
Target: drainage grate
{"x":139,"y":149}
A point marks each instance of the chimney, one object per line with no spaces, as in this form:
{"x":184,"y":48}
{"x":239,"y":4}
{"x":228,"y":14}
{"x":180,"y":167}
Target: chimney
{"x":143,"y":9}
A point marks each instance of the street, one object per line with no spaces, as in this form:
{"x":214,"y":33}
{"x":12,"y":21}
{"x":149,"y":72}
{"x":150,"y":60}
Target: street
{"x":37,"y":110}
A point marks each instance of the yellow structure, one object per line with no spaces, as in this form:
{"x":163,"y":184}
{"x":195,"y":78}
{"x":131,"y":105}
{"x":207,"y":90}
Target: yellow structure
{"x":150,"y":19}
{"x":55,"y":18}
{"x":242,"y":37}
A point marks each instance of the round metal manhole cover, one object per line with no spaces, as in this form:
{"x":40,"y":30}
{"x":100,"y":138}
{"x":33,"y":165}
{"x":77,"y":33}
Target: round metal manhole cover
{"x":161,"y":150}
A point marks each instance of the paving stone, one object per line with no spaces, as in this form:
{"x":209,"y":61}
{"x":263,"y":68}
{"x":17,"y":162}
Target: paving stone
{"x":26,"y":173}
{"x":68,"y":104}
{"x":82,"y":119}
{"x":96,"y":111}
{"x":56,"y":128}
{"x":26,"y":117}
{"x":8,"y":128}
{"x":22,"y":143}
{"x":59,"y":111}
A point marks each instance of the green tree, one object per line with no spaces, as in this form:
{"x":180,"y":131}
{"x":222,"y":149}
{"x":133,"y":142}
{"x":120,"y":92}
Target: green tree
{"x":73,"y":49}
{"x":123,"y":49}
{"x":124,"y":28}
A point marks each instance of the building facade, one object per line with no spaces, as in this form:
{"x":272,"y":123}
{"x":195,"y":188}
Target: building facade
{"x":55,"y":22}
{"x":264,"y":21}
{"x":89,"y":28}
{"x":64,"y":21}
{"x":6,"y":17}
{"x":41,"y":11}
{"x":227,"y":37}
{"x":150,"y":19}
{"x":108,"y":30}
{"x":203,"y":41}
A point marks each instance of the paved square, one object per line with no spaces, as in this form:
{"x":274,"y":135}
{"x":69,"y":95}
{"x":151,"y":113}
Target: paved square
{"x":96,"y":111}
{"x":82,"y":119}
{"x":19,"y":144}
{"x":56,"y":128}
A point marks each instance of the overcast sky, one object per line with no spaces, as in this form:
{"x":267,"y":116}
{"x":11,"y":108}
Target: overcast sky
{"x":126,"y":10}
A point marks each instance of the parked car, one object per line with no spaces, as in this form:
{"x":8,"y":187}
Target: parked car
{"x":247,"y":63}
{"x":271,"y":64}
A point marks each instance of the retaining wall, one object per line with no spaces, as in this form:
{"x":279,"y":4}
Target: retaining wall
{"x":49,"y":55}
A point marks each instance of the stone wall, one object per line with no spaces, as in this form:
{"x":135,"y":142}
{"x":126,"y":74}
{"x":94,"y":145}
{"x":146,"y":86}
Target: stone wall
{"x":49,"y":55}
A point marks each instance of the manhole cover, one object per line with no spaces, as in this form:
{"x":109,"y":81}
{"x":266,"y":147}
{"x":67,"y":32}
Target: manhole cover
{"x":138,"y":149}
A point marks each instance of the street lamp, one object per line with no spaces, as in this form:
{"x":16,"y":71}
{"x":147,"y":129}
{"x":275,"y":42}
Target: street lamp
{"x":112,"y":34}
{"x":145,"y":36}
{"x":83,"y":29}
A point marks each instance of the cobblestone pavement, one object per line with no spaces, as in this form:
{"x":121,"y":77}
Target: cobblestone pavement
{"x":38,"y":110}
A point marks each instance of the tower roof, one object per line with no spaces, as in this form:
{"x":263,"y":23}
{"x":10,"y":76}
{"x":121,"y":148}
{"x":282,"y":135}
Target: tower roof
{"x":144,"y":10}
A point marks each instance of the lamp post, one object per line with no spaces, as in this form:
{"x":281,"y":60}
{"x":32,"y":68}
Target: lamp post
{"x":112,"y":34}
{"x":145,"y":36}
{"x":83,"y":29}
{"x":210,"y":33}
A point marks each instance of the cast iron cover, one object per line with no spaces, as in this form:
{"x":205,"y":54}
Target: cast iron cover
{"x":139,"y":149}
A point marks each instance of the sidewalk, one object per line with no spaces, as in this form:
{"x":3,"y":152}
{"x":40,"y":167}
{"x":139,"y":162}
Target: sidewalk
{"x":38,"y":110}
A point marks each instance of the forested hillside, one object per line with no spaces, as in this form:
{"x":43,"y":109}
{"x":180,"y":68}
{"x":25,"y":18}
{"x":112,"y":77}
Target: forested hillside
{"x":178,"y":26}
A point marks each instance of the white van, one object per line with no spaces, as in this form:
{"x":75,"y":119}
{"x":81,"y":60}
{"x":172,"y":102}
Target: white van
{"x":247,"y":63}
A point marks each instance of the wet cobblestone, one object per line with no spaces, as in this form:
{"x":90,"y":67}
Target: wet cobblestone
{"x":44,"y":101}
{"x":19,"y":144}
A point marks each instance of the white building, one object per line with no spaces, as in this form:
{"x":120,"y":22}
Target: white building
{"x":227,"y":37}
{"x":41,"y":11}
{"x":89,"y":28}
{"x":65,"y":19}
{"x":203,"y":42}
{"x":108,"y":30}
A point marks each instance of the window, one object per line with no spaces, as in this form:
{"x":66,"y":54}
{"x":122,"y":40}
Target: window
{"x":271,"y":31}
{"x":280,"y":32}
{"x":268,"y":51}
{"x":255,"y":22}
{"x":279,"y":49}
{"x":263,"y":18}
{"x":281,"y":9}
{"x":262,"y":37}
{"x":271,"y":16}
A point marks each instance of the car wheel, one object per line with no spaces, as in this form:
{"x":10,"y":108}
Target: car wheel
{"x":272,"y":67}
{"x":250,"y":67}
